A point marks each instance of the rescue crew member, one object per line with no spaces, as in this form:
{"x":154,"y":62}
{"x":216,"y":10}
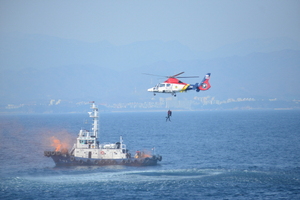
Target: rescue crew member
{"x":169,"y":115}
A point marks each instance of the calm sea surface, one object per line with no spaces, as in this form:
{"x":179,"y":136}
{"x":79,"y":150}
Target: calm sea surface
{"x":206,"y":155}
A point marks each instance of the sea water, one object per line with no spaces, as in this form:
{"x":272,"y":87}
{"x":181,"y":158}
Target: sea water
{"x":206,"y":155}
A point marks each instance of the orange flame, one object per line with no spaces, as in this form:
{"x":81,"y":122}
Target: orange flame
{"x":143,"y":154}
{"x":147,"y":156}
{"x":58,"y":145}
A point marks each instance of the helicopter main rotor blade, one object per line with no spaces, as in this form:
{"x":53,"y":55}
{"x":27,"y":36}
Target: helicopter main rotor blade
{"x":188,"y":77}
{"x":176,"y":75}
{"x":154,"y":75}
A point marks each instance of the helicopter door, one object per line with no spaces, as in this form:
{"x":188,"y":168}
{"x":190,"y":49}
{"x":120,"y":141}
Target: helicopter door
{"x":168,"y":87}
{"x":162,"y":87}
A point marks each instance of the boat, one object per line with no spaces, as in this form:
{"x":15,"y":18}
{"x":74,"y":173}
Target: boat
{"x":88,"y":151}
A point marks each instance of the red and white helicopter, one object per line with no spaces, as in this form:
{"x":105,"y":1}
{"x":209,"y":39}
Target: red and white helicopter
{"x":173,"y":85}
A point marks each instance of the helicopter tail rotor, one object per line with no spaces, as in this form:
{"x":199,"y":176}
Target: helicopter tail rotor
{"x":204,"y":85}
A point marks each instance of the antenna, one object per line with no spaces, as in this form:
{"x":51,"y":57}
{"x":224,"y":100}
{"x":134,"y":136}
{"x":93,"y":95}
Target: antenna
{"x":94,"y":115}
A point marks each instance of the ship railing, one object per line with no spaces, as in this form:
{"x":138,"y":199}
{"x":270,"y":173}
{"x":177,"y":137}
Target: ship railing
{"x":111,"y":146}
{"x":87,"y":146}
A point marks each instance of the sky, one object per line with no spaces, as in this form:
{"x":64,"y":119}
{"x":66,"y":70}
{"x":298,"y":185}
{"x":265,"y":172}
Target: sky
{"x":200,"y":25}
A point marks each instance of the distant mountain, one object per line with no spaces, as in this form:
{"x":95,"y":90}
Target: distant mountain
{"x":257,"y":75}
{"x":37,"y":68}
{"x":40,"y":51}
{"x":67,"y":83}
{"x":246,"y":47}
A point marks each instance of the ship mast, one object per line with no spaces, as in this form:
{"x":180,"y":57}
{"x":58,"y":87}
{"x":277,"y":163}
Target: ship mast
{"x":94,"y":115}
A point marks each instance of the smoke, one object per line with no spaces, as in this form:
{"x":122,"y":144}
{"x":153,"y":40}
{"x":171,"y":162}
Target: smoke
{"x":25,"y":138}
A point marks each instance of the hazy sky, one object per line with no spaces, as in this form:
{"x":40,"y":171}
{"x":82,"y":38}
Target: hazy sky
{"x":201,"y":25}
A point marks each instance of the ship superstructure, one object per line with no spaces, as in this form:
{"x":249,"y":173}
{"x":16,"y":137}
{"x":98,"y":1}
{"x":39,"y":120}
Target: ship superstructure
{"x":88,"y":151}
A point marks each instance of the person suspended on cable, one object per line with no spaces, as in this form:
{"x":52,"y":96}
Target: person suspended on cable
{"x":169,"y":115}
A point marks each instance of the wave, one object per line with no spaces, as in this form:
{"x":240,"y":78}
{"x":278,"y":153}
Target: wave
{"x":121,"y":175}
{"x":162,"y":183}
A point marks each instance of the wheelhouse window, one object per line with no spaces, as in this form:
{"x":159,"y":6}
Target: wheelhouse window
{"x":162,"y":85}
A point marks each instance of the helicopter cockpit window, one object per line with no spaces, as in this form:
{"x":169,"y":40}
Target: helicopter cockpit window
{"x":162,"y":85}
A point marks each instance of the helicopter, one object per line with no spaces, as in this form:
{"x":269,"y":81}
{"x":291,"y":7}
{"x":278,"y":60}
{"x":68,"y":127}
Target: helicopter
{"x":173,"y":84}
